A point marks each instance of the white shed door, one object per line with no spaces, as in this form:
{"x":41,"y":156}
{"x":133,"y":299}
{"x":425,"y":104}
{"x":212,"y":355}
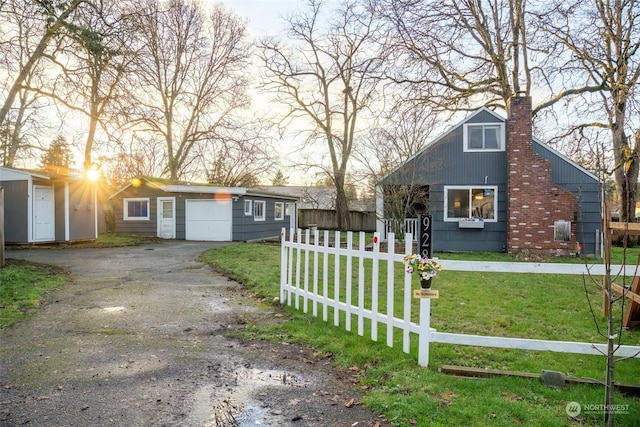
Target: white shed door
{"x":43,"y":214}
{"x":208,"y":220}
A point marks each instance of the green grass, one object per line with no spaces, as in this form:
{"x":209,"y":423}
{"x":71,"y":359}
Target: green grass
{"x":22,"y":286}
{"x":113,"y":240}
{"x":501,"y":304}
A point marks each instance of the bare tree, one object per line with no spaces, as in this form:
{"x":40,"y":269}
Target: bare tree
{"x":405,"y":130}
{"x":97,"y":57}
{"x":603,"y":39}
{"x":457,"y":54}
{"x":22,"y":24}
{"x":141,"y":156}
{"x":241,"y":159}
{"x":56,"y":14}
{"x":325,"y":75}
{"x":190,"y":76}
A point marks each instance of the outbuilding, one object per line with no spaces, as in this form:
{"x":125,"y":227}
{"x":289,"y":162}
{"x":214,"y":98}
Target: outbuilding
{"x":44,"y":208}
{"x":193,"y":211}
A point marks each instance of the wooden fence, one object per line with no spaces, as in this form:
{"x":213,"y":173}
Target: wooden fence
{"x":324,"y":219}
{"x":306,"y":279}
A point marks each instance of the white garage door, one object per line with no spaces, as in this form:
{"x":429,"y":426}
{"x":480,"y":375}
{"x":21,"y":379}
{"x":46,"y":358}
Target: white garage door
{"x":208,"y":220}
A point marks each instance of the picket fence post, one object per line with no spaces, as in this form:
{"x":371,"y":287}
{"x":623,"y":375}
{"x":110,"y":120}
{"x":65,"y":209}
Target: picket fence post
{"x":283,"y":263}
{"x":424,"y":336}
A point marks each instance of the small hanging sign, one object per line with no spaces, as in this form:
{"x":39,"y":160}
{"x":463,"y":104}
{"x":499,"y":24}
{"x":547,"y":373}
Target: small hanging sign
{"x":426,"y":293}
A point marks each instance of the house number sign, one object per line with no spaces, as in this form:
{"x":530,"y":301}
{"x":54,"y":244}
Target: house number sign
{"x":424,"y":231}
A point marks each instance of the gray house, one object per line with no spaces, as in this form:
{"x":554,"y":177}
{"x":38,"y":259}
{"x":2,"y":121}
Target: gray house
{"x":155,"y":207}
{"x":42,"y":208}
{"x":491,"y":186}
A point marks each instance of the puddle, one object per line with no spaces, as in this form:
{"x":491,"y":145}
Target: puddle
{"x":252,"y":416}
{"x":118,"y":309}
{"x":238,"y":408}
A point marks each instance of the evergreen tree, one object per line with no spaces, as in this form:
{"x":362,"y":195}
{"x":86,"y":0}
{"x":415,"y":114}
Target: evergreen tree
{"x":279,"y":179}
{"x":58,"y":156}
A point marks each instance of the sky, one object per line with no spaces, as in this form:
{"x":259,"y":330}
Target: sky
{"x":263,"y":16}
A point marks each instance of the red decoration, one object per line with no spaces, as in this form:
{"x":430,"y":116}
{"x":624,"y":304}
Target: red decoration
{"x":375,"y":240}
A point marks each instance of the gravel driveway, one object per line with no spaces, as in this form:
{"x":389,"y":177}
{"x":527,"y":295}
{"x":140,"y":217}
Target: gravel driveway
{"x":140,"y":337}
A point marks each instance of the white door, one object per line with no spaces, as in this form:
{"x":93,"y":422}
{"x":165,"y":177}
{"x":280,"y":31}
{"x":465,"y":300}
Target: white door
{"x":208,"y":220}
{"x":43,"y":214}
{"x":166,"y":217}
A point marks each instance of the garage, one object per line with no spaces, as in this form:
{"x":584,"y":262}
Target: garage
{"x":208,"y":220}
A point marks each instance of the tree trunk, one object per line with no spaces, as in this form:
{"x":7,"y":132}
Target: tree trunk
{"x":88,"y":147}
{"x":626,"y":173}
{"x":342,"y":207}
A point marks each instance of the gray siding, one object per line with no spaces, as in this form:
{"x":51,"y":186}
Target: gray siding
{"x":142,"y":227}
{"x":243,"y":227}
{"x":16,"y":221}
{"x":445,"y":163}
{"x":82,"y":214}
{"x":246,"y":228}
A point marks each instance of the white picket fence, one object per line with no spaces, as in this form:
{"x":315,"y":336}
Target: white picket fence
{"x":305,"y":281}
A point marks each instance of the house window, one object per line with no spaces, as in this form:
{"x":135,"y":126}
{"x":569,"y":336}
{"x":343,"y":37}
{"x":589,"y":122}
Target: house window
{"x":136,"y":209}
{"x":483,"y":137}
{"x":259,"y":210}
{"x":247,"y":208}
{"x":279,"y":211}
{"x":562,"y":231}
{"x":288,"y":209}
{"x":462,"y":202}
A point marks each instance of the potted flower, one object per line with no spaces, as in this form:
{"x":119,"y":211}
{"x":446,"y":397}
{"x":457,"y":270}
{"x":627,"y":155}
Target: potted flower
{"x":426,"y":268}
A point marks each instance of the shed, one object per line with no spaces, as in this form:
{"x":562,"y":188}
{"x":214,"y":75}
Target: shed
{"x":193,"y":211}
{"x":42,"y":208}
{"x":491,"y":186}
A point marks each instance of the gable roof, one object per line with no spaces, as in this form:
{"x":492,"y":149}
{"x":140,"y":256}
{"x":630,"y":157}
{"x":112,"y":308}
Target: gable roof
{"x":441,"y":136}
{"x":188,"y":187}
{"x":468,"y":119}
{"x":13,"y":174}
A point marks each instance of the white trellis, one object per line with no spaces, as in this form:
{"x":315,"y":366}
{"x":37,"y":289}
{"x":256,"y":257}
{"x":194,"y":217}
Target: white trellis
{"x":313,"y":255}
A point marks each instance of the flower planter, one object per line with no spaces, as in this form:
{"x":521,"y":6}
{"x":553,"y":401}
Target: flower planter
{"x":471,"y":224}
{"x":425,"y":283}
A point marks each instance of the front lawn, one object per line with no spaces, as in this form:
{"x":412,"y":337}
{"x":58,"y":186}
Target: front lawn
{"x":22,"y":286}
{"x":502,"y":304}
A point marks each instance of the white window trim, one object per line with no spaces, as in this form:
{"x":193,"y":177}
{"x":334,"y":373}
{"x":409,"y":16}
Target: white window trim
{"x":248,"y":208}
{"x":501,"y":136}
{"x":125,"y":209}
{"x":262,"y":217}
{"x":275,"y":211}
{"x":470,"y":188}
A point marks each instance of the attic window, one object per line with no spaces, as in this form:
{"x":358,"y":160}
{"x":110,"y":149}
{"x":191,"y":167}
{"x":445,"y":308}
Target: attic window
{"x":483,"y":137}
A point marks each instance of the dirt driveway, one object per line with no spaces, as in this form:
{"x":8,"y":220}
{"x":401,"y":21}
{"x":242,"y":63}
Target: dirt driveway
{"x":140,"y":338}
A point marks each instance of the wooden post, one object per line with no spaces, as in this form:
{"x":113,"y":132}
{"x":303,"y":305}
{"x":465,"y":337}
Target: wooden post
{"x":2,"y":260}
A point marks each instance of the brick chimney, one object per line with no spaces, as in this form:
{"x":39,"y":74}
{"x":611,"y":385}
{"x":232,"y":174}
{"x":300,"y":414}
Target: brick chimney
{"x":534,"y":202}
